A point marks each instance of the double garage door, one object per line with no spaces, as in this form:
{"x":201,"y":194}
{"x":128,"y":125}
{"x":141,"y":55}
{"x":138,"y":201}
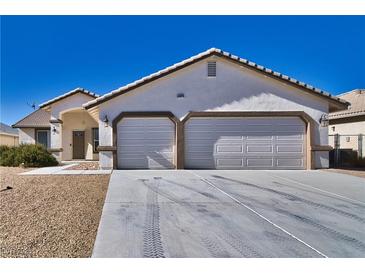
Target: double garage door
{"x":213,"y":143}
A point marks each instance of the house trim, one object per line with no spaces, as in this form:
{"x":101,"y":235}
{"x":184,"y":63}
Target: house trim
{"x":107,"y":148}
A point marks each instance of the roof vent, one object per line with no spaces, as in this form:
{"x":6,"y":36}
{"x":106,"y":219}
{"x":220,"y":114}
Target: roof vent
{"x":212,"y":69}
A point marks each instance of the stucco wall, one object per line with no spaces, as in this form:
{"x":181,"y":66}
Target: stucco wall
{"x":9,"y":140}
{"x":234,"y":89}
{"x":348,"y":128}
{"x":348,"y":135}
{"x":26,"y":136}
{"x":57,"y":109}
{"x":74,"y":121}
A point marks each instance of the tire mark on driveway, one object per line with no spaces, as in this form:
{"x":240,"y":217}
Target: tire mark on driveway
{"x":292,"y":197}
{"x":211,"y":243}
{"x":259,"y":215}
{"x":336,"y":235}
{"x":152,"y":243}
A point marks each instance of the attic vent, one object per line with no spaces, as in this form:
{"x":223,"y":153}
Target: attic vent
{"x":212,"y":69}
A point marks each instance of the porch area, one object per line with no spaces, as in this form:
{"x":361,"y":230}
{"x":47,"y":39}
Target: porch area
{"x":74,"y":136}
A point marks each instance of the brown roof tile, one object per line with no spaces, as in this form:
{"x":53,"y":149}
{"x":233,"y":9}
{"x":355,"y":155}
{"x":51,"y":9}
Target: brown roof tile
{"x":37,"y":119}
{"x":357,"y":99}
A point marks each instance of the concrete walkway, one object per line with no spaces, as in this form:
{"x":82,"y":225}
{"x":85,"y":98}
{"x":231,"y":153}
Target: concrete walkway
{"x":61,"y":170}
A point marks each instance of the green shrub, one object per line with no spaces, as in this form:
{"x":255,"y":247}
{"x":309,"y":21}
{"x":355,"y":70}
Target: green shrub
{"x":29,"y":155}
{"x":3,"y":148}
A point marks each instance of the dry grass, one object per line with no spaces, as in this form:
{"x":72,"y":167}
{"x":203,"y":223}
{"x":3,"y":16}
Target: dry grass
{"x":353,"y":172}
{"x":49,"y":216}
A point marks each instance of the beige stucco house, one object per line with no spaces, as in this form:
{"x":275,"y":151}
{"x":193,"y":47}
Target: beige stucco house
{"x":8,"y":135}
{"x":349,"y":125}
{"x":211,"y":111}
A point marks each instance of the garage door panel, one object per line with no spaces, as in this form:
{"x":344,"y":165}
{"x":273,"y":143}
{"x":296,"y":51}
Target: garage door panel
{"x":259,"y":149}
{"x":290,"y":162}
{"x":245,"y":143}
{"x":229,"y":148}
{"x":145,"y":143}
{"x":260,"y":162}
{"x":289,"y":148}
{"x":139,"y":122}
{"x":127,"y":150}
{"x":143,"y":135}
{"x":229,"y":163}
{"x":258,"y":137}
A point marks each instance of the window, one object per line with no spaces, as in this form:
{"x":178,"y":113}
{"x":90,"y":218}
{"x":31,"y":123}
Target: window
{"x":95,"y":139}
{"x":43,"y":137}
{"x":212,"y":69}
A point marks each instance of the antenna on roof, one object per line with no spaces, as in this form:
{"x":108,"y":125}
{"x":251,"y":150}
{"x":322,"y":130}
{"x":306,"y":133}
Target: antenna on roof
{"x":32,"y":105}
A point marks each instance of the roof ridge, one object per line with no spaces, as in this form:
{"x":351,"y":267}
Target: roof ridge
{"x":205,"y":54}
{"x":351,"y":91}
{"x":69,"y":93}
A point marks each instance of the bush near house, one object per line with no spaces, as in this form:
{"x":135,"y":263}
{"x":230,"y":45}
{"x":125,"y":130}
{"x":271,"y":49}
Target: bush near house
{"x":29,"y":155}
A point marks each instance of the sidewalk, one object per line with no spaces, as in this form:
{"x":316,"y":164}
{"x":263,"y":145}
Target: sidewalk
{"x":61,"y":170}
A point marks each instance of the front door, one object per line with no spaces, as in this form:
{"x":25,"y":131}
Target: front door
{"x":78,"y":147}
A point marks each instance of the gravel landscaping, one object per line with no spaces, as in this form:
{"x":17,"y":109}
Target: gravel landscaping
{"x":85,"y":166}
{"x":49,"y":216}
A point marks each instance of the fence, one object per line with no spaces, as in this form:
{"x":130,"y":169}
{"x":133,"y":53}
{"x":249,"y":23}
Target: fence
{"x":348,"y":150}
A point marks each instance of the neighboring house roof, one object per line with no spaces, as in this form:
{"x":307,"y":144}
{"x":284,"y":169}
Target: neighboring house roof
{"x":37,"y":119}
{"x":8,"y":130}
{"x":357,"y":99}
{"x":67,"y":94}
{"x":339,"y":103}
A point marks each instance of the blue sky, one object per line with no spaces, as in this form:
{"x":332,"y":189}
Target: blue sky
{"x":45,"y":56}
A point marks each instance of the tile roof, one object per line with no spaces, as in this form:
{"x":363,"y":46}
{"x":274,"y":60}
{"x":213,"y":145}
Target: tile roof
{"x":357,"y":99}
{"x":214,"y":51}
{"x":37,"y":119}
{"x":72,"y":92}
{"x":8,"y":130}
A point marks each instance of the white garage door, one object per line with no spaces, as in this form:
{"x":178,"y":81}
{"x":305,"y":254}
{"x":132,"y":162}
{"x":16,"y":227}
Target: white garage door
{"x":145,"y":143}
{"x":245,"y":143}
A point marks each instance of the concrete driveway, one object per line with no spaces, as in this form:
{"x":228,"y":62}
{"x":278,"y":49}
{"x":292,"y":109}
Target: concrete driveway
{"x":212,"y":213}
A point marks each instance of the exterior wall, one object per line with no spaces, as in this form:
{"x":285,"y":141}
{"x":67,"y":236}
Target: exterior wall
{"x":26,"y":136}
{"x":72,"y":102}
{"x":353,"y":129}
{"x":321,"y":159}
{"x":57,"y":109}
{"x":106,"y":159}
{"x":9,"y":140}
{"x":82,"y":121}
{"x":234,"y":89}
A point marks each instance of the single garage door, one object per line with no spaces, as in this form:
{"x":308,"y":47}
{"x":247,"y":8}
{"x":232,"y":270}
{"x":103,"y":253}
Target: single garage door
{"x":245,"y":143}
{"x":145,"y":143}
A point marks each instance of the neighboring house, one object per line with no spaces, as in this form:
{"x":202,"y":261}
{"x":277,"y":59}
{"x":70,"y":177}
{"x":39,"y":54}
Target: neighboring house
{"x":8,"y":135}
{"x":349,"y":124}
{"x":213,"y":110}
